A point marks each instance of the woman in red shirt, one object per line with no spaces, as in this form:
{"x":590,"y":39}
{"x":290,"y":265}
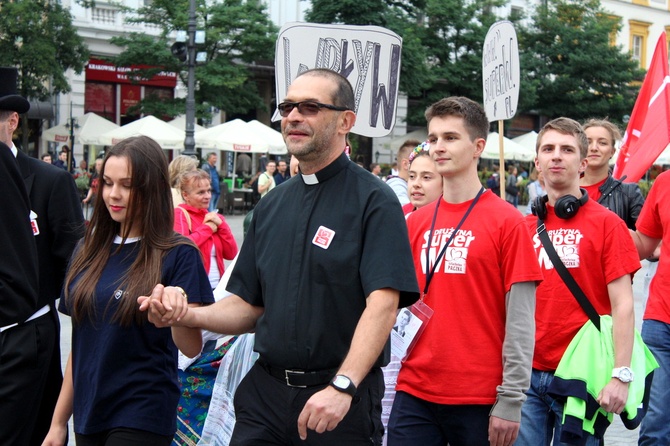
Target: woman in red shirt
{"x":208,"y":230}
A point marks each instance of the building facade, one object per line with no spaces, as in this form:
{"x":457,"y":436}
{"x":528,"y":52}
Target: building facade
{"x":105,"y":89}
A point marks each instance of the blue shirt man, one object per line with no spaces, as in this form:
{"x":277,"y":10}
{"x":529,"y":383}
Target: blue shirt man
{"x":210,"y":167}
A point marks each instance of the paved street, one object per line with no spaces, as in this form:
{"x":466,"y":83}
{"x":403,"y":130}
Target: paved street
{"x":617,"y":434}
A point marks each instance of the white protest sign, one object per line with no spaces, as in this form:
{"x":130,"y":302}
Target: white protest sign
{"x":500,"y":71}
{"x":368,"y":56}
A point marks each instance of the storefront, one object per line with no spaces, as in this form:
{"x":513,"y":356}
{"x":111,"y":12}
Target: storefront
{"x":113,"y":91}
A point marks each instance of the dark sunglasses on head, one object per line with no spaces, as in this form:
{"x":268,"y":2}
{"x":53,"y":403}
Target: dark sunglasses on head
{"x":306,"y":108}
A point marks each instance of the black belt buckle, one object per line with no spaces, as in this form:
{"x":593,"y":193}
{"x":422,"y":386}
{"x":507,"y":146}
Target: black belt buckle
{"x":287,"y":375}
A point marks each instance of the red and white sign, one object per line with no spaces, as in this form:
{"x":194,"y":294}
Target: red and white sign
{"x":323,"y":237}
{"x":100,"y":70}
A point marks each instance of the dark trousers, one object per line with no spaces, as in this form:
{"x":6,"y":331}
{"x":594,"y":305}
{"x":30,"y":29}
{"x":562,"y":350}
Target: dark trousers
{"x":414,"y":421}
{"x":267,"y":412}
{"x":30,"y":380}
{"x":123,"y":437}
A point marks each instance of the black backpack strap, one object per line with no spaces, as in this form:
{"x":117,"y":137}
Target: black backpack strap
{"x":566,"y":276}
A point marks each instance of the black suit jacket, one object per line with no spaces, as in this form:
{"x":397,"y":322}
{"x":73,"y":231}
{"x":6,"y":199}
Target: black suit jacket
{"x":18,"y":254}
{"x":54,"y":198}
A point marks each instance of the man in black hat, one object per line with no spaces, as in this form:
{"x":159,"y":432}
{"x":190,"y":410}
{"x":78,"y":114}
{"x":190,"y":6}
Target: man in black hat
{"x":30,"y":383}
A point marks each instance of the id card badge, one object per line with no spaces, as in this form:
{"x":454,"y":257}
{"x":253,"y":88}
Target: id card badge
{"x":410,"y":324}
{"x":33,"y":223}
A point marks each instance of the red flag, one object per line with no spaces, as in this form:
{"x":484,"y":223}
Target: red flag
{"x":648,"y":131}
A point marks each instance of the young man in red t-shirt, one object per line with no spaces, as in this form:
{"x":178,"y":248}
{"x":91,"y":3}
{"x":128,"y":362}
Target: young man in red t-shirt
{"x":464,"y":381}
{"x":652,"y":227}
{"x":596,"y":248}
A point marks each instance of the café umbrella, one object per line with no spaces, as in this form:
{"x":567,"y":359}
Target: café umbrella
{"x":87,"y":129}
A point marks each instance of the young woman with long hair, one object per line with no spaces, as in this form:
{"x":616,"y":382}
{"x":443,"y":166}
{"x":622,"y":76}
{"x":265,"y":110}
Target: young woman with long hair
{"x":121,"y":378}
{"x":624,"y":199}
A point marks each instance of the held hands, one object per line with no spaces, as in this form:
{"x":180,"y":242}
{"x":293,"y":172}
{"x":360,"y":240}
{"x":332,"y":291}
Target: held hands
{"x":323,"y":411}
{"x":613,"y":397}
{"x":166,"y":306}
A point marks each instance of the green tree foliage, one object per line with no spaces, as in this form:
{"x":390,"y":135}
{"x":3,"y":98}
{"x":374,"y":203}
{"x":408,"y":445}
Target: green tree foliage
{"x":239,"y":35}
{"x":453,"y":36}
{"x":37,"y":37}
{"x":442,"y":42}
{"x":570,"y":68}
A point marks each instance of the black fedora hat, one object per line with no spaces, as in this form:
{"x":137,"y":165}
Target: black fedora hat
{"x":9,"y":100}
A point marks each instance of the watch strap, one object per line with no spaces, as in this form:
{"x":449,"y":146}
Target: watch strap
{"x":350,"y":389}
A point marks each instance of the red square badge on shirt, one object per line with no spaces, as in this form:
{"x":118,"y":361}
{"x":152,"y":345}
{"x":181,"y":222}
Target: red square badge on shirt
{"x":323,"y":237}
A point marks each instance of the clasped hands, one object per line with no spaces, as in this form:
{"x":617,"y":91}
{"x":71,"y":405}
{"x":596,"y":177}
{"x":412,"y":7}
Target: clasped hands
{"x":213,"y":220}
{"x":166,"y":306}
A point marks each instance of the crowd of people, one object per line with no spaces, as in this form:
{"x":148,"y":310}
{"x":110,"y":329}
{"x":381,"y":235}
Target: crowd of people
{"x":423,"y":309}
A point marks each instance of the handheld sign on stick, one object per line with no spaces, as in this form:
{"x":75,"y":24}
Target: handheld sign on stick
{"x":368,"y":56}
{"x":501,"y":79}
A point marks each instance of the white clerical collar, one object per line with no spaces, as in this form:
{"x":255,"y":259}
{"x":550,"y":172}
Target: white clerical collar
{"x":310,"y":179}
{"x":327,"y":172}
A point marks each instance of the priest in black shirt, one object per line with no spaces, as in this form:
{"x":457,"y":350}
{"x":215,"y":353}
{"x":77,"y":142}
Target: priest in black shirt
{"x":339,"y":236}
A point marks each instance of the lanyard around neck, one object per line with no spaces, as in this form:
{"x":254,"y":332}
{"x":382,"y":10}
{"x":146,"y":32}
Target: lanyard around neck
{"x":431,"y":271}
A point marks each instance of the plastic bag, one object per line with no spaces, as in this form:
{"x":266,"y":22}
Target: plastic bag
{"x":218,"y":428}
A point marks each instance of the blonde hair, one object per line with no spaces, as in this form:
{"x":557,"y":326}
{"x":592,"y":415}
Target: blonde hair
{"x":188,"y":179}
{"x":611,"y":128}
{"x":180,"y":165}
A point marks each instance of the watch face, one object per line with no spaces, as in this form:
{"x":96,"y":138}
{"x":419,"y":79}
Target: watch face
{"x":626,"y":375}
{"x":341,"y":381}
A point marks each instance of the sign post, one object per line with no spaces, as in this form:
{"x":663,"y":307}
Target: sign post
{"x":501,"y":81}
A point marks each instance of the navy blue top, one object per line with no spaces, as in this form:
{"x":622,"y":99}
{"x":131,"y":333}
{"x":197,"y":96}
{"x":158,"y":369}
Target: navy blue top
{"x":127,"y":376}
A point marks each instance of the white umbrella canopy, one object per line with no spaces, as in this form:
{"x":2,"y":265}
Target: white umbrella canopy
{"x":664,"y":157}
{"x":527,"y":140}
{"x":90,"y":127}
{"x":166,"y":135}
{"x":273,"y":137}
{"x":395,"y":143}
{"x":233,"y":136}
{"x":180,"y":123}
{"x":512,"y":150}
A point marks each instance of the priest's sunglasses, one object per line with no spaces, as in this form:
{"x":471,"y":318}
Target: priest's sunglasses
{"x":305,"y":108}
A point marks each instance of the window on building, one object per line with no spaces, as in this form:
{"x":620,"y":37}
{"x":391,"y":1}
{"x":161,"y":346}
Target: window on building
{"x":636,"y":49}
{"x":639,"y":33}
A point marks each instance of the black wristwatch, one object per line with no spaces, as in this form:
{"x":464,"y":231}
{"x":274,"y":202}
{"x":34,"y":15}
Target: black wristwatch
{"x":344,"y":384}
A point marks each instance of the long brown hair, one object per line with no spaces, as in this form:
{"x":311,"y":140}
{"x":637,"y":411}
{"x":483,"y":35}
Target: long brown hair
{"x":150,"y":211}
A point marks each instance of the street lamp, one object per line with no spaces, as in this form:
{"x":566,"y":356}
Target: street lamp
{"x":186,"y":52}
{"x":71,"y":124}
{"x":189,"y":141}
